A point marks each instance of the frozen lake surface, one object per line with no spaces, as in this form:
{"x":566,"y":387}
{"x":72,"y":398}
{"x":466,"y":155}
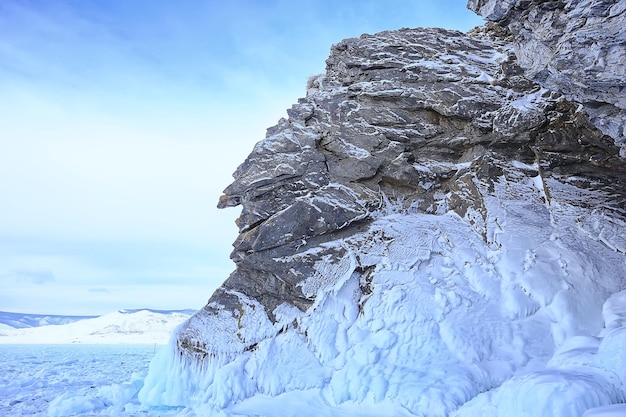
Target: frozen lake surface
{"x":103,"y":380}
{"x":66,"y":380}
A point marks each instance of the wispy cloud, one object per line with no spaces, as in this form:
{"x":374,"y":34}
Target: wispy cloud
{"x":29,"y":276}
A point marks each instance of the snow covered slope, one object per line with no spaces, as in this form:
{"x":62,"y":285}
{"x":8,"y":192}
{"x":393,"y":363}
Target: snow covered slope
{"x":429,"y":231}
{"x":20,"y":321}
{"x":121,"y":327}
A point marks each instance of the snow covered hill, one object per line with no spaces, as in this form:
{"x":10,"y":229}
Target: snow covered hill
{"x":20,"y":321}
{"x":141,"y":326}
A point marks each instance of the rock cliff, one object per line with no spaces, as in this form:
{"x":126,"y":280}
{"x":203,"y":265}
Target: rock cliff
{"x":439,"y":214}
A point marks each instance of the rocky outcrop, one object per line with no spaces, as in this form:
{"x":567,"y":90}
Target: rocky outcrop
{"x":430,"y":182}
{"x":414,"y":118}
{"x":577,"y":48}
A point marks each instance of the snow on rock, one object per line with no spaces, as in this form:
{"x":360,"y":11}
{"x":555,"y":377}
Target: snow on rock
{"x":430,"y":231}
{"x":585,"y":373}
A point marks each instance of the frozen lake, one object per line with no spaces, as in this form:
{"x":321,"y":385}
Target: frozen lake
{"x":64,"y":380}
{"x":103,"y":380}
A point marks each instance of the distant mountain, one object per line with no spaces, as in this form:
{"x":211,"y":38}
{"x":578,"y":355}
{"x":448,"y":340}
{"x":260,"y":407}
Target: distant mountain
{"x":20,"y":320}
{"x":131,"y":326}
{"x":132,"y":311}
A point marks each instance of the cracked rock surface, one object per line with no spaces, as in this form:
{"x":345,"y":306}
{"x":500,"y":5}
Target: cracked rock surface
{"x":575,"y":47}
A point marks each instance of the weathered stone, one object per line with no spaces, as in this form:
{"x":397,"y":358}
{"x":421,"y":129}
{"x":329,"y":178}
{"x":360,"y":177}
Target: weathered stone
{"x":574,"y":47}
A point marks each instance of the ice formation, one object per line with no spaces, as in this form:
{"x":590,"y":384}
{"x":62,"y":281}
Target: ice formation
{"x":443,"y":323}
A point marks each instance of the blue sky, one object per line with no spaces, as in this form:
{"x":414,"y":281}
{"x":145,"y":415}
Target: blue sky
{"x":121,"y":123}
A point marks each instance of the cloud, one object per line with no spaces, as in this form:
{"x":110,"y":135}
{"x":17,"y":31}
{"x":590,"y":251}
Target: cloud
{"x":32,"y":276}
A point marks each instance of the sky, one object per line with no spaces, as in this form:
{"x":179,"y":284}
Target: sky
{"x":121,"y":122}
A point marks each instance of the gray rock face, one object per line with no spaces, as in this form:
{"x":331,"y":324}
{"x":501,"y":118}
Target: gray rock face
{"x":577,"y":48}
